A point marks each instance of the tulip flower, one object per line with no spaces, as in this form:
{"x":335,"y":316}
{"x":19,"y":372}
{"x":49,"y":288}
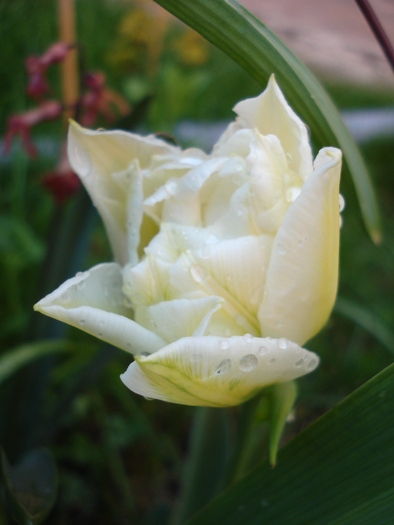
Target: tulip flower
{"x":226,"y":264}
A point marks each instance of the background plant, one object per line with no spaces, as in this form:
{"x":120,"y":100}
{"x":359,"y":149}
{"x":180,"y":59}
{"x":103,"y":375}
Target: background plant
{"x":119,"y":458}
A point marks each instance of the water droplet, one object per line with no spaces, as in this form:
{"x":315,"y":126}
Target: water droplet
{"x":341,"y":203}
{"x":100,"y":334}
{"x":288,"y":157}
{"x":66,"y":297}
{"x":281,"y":249}
{"x":239,"y":166}
{"x":239,"y":212}
{"x":128,"y":345}
{"x":148,"y":398}
{"x":272,"y":361}
{"x":248,"y":338}
{"x":102,"y":323}
{"x":282,"y":343}
{"x":224,"y":345}
{"x":263,"y":350}
{"x":79,"y":274}
{"x":82,"y":322}
{"x":211,"y":239}
{"x":195,"y":358}
{"x":198,"y":273}
{"x":312,"y":364}
{"x":83,"y":162}
{"x":205,"y":252}
{"x":248,"y":363}
{"x":292,"y":194}
{"x":81,"y":285}
{"x":299,"y":363}
{"x":300,"y":243}
{"x":224,"y":367}
{"x":171,"y":187}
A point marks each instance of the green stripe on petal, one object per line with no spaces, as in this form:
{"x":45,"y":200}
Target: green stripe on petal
{"x":214,"y":371}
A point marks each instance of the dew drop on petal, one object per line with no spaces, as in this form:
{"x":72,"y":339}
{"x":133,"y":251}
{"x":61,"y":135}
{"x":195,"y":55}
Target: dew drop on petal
{"x":239,"y":212}
{"x":272,"y":361}
{"x":292,"y":194}
{"x":248,"y":338}
{"x":81,"y":285}
{"x":66,"y":297}
{"x":224,"y":345}
{"x":281,"y":249}
{"x":82,"y":157}
{"x":224,"y":367}
{"x":102,"y":323}
{"x":82,"y":322}
{"x":282,"y":343}
{"x":248,"y":363}
{"x":263,"y":350}
{"x":171,"y":187}
{"x":312,"y":363}
{"x":299,"y":363}
{"x":198,"y":273}
{"x":211,"y":239}
{"x":341,"y":203}
{"x":288,"y":157}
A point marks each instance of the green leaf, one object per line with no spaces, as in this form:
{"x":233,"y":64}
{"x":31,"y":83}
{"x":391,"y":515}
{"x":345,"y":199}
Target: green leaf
{"x":249,"y":42}
{"x":19,"y":245}
{"x":30,"y":486}
{"x":339,"y":470}
{"x":22,"y":355}
{"x":281,"y":397}
{"x":367,"y":320}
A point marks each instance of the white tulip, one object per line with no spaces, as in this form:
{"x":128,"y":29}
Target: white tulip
{"x":226,"y":264}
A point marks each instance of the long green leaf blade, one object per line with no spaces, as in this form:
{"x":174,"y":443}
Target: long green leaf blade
{"x":249,"y":42}
{"x":339,"y":470}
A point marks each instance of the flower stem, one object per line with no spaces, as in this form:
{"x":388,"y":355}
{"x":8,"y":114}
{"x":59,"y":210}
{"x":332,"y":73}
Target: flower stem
{"x":377,"y":29}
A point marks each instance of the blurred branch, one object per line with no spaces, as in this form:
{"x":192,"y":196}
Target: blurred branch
{"x":66,"y":14}
{"x":377,"y":29}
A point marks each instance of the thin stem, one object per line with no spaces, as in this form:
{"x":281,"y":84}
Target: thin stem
{"x":377,"y":29}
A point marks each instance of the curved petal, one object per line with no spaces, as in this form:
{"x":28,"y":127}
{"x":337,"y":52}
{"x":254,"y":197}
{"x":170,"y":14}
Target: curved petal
{"x":302,"y":276}
{"x":93,"y":302}
{"x":212,"y":371}
{"x":179,"y":318}
{"x":271,"y":115}
{"x":104,"y":161}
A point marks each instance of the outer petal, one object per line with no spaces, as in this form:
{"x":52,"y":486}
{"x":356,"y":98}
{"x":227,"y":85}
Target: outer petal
{"x":302,"y":276}
{"x":212,"y":371}
{"x":93,"y":302}
{"x":96,"y":156}
{"x":271,"y":115}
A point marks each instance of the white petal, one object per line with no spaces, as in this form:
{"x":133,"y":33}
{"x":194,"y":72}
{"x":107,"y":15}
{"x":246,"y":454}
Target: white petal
{"x":271,"y":115}
{"x":212,"y":371}
{"x":233,"y":269}
{"x":175,"y":239}
{"x":148,"y":282}
{"x":302,"y":277}
{"x":94,"y":302}
{"x":172,"y":320}
{"x":96,"y":156}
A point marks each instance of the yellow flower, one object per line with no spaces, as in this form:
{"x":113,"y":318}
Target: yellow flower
{"x":241,"y":269}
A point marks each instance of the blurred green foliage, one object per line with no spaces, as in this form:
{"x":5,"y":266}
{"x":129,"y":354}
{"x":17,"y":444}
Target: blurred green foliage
{"x":120,"y":457}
